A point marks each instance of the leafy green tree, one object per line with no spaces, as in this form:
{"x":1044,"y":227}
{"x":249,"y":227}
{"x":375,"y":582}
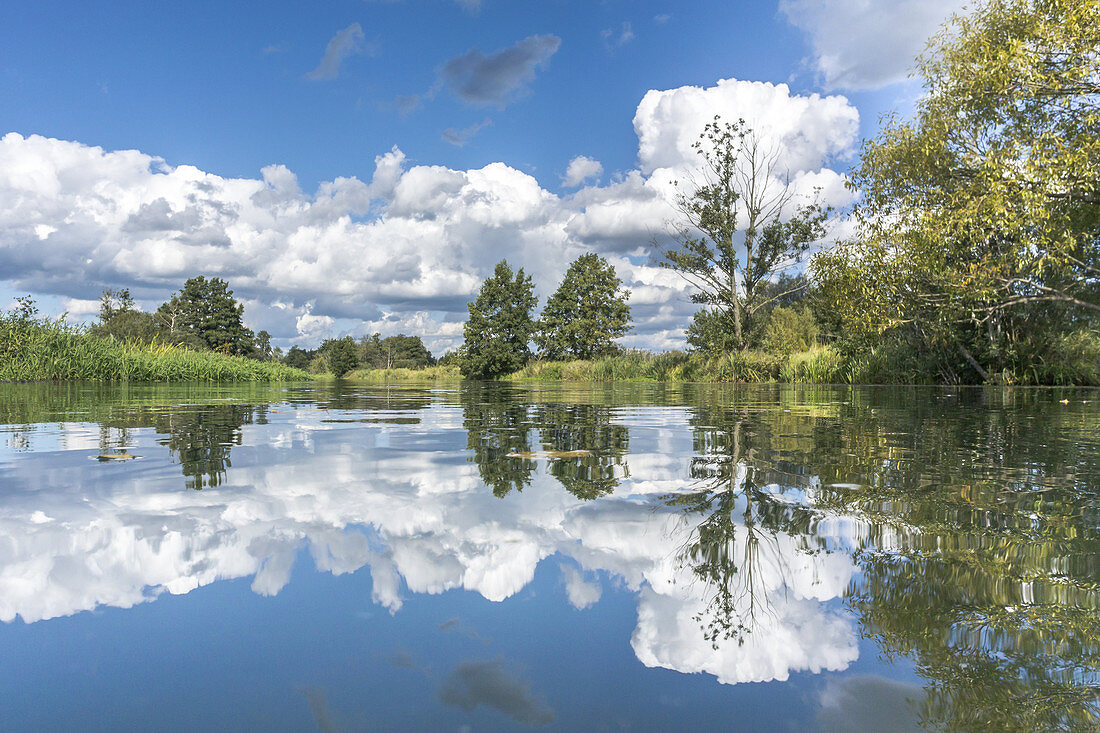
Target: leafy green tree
{"x":394,"y":352}
{"x":298,"y":357}
{"x":341,"y":356}
{"x":790,"y":330}
{"x":585,"y":313}
{"x":207,"y":309}
{"x":120,"y":319}
{"x":980,"y":215}
{"x":263,"y":346}
{"x":741,"y":227}
{"x":500,"y":326}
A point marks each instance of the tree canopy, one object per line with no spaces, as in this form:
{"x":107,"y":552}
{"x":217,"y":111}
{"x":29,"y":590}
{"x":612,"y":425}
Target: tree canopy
{"x":980,"y":216}
{"x":394,"y":352}
{"x":500,"y":326}
{"x":586,"y":313}
{"x":206,"y":308}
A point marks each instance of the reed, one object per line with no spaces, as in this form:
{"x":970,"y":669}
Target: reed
{"x":34,"y":350}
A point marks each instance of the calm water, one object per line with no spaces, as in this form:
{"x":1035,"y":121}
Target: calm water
{"x":607,"y":558}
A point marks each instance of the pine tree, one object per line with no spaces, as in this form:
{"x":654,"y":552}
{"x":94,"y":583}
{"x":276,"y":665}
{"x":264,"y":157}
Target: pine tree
{"x":208,"y":310}
{"x":586,"y":313}
{"x":500,"y":325}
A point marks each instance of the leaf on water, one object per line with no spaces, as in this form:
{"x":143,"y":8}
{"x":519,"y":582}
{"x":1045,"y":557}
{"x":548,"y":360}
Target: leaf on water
{"x":115,"y":457}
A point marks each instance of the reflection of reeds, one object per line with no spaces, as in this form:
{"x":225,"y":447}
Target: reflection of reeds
{"x":32,"y":350}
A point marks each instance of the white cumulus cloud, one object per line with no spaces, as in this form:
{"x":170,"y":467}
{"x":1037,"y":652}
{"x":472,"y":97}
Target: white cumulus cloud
{"x":409,"y":245}
{"x":581,"y":169}
{"x":864,"y":44}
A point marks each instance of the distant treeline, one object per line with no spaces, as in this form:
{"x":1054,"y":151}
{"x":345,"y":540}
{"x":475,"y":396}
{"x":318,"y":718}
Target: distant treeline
{"x":342,"y":355}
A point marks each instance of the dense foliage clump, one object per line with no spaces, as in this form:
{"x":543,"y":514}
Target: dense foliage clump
{"x":499,"y":330}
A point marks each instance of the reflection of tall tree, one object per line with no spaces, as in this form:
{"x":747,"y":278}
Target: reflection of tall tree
{"x":738,"y":539}
{"x":201,"y":438}
{"x":598,"y":446}
{"x":498,"y":432}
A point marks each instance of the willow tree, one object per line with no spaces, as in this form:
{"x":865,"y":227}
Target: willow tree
{"x":980,"y":216}
{"x":741,"y":226}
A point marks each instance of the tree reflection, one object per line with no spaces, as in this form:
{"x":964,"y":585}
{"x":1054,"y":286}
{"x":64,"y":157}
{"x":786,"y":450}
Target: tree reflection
{"x":498,"y":431}
{"x":586,"y":449}
{"x":983,"y":560}
{"x":745,"y":513}
{"x":201,"y":438}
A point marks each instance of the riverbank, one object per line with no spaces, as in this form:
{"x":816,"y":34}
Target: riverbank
{"x":1075,"y":361}
{"x":34,"y":351}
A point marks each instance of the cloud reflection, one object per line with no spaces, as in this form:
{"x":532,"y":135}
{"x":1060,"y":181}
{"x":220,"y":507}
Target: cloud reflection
{"x":422,"y":522}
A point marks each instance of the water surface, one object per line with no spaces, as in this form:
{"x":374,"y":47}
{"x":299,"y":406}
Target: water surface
{"x":629,"y":557}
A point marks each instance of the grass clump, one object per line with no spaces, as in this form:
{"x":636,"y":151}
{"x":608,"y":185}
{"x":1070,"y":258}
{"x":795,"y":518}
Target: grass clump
{"x":39,"y":350}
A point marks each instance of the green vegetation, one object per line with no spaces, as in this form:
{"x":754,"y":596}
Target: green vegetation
{"x":585,"y":313}
{"x":978,"y":256}
{"x":342,"y":357}
{"x":741,"y":228}
{"x":819,"y":365}
{"x":436,"y":373}
{"x":500,"y":326}
{"x":33,"y":349}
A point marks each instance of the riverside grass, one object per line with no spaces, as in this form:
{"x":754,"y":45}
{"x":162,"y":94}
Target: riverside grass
{"x":46,"y":350}
{"x":437,"y":373}
{"x":1074,"y":360}
{"x":820,"y":365}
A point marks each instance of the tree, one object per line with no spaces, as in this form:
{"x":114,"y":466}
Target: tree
{"x":341,"y":356}
{"x":980,"y":217}
{"x":500,"y":325}
{"x":207,"y":309}
{"x":114,"y":302}
{"x":119,"y":318}
{"x":298,"y":357}
{"x":585,"y":313}
{"x":263,"y":346}
{"x":741,"y":227}
{"x":394,"y":352}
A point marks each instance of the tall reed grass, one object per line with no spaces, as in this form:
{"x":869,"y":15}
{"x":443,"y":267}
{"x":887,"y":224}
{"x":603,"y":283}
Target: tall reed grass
{"x":38,"y":350}
{"x":820,"y":365}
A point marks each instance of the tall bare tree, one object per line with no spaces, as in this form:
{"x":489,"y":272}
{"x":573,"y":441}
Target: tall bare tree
{"x":741,"y":225}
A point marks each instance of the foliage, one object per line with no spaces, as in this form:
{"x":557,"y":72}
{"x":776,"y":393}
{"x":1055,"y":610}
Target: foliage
{"x":790,"y":330}
{"x":585,"y":313}
{"x":437,"y":373}
{"x":207,"y":309}
{"x":263,"y":346}
{"x":980,"y":217}
{"x":42,"y":349}
{"x":393,"y":352}
{"x":298,"y":358}
{"x":500,"y":325}
{"x":342,"y":357}
{"x":741,"y":228}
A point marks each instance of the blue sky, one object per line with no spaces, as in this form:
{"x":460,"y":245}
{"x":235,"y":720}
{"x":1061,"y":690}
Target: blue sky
{"x":214,"y":94}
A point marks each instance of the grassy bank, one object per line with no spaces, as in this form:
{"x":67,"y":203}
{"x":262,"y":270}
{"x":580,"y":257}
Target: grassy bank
{"x":448,"y":373}
{"x":821,"y":366}
{"x":32,"y":350}
{"x":1074,"y":360}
